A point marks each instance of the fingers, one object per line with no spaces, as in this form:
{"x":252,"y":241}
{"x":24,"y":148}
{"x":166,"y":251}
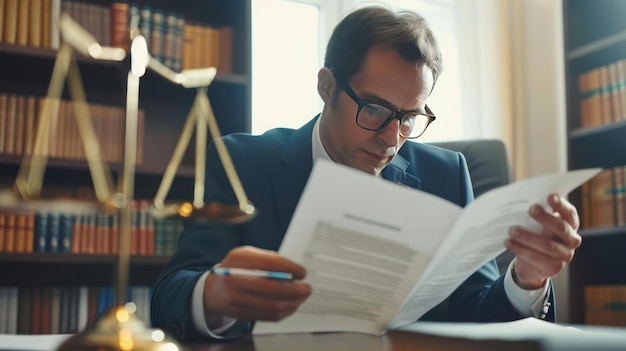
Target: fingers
{"x":542,"y":255}
{"x":534,"y":247}
{"x":562,"y":224}
{"x":267,"y":302}
{"x":255,"y":258}
{"x":565,"y":209}
{"x":255,"y":298}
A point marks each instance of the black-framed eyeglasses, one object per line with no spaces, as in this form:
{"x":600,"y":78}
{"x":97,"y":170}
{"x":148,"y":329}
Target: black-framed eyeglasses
{"x":373,"y":116}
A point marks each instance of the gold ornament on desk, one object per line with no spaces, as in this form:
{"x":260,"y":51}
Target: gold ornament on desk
{"x":119,"y":328}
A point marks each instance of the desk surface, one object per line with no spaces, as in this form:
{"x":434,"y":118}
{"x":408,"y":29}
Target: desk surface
{"x":393,"y":341}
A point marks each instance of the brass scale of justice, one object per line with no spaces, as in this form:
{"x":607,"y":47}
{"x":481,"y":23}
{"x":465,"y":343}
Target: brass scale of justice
{"x":119,"y":328}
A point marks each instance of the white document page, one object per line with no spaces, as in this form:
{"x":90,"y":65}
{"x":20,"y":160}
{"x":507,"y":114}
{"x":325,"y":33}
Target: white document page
{"x":552,"y":336}
{"x":478,"y":236}
{"x":365,"y":242}
{"x":353,"y":234}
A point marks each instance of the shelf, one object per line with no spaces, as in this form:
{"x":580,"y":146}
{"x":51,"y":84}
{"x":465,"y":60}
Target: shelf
{"x":601,"y":146}
{"x":12,"y":52}
{"x":38,"y":269}
{"x":64,"y":258}
{"x":68,"y":164}
{"x":597,"y":45}
{"x":603,"y":231}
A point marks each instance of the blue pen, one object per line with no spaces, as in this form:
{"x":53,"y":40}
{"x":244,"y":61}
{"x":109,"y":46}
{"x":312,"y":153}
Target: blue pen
{"x":251,"y":273}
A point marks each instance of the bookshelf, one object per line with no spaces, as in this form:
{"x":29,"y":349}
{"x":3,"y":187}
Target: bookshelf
{"x":26,"y":71}
{"x":595,"y":38}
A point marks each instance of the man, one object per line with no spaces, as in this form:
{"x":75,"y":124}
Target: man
{"x":379,"y":70}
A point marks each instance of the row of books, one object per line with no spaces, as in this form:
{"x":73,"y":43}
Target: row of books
{"x":605,"y":305}
{"x":62,"y":310}
{"x":30,"y":22}
{"x":604,"y":200}
{"x":19,"y":122}
{"x":96,"y":233}
{"x":171,"y":39}
{"x":603,"y":94}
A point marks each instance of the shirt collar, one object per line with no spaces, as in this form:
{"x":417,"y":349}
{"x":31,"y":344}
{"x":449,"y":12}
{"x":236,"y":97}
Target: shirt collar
{"x":318,"y":149}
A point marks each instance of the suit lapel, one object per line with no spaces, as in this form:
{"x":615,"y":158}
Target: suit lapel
{"x":396,"y":172}
{"x":292,"y":173}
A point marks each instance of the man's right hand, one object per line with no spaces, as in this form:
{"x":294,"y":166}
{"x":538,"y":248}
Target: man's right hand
{"x":254,"y":298}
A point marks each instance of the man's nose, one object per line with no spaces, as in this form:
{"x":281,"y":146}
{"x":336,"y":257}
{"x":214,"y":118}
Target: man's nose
{"x":390,"y":135}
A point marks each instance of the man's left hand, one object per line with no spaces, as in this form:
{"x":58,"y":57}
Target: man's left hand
{"x":539,"y":256}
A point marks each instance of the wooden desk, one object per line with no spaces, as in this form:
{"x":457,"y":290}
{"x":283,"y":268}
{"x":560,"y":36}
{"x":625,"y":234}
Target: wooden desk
{"x":393,"y":341}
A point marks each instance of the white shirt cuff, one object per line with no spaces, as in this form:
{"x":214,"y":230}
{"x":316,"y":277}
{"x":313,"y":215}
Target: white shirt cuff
{"x":529,"y":303}
{"x":197,"y":312}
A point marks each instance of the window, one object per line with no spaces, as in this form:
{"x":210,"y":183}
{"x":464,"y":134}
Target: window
{"x":288,"y":43}
{"x":286,"y":56}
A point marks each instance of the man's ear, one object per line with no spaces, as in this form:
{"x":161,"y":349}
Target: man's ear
{"x":326,"y":85}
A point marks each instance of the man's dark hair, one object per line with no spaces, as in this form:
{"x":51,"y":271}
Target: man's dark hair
{"x":405,"y":31}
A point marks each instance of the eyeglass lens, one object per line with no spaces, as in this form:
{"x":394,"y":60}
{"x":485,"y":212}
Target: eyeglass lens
{"x":374,"y":117}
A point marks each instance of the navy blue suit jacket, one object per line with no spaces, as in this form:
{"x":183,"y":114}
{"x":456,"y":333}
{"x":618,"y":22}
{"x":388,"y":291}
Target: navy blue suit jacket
{"x":274,"y":169}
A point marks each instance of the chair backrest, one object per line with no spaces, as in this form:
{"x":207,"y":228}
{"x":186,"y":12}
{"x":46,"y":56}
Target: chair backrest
{"x":487,"y":162}
{"x":488,"y":167}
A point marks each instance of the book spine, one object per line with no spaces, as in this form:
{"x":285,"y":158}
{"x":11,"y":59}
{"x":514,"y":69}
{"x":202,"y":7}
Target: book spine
{"x":119,"y":25}
{"x":55,"y":14}
{"x":46,"y":307}
{"x":55,"y":310}
{"x":67,"y":224}
{"x":83,"y":307}
{"x":178,"y":40}
{"x":2,"y":19}
{"x":54,"y":232}
{"x":10,"y":21}
{"x":64,"y":325}
{"x":605,"y":305}
{"x":157,"y":35}
{"x":46,"y":12}
{"x":168,"y":39}
{"x":23,"y":10}
{"x":35,"y":23}
{"x":605,"y":95}
{"x":30,"y":232}
{"x":41,"y":231}
{"x":20,"y":232}
{"x":9,"y":232}
{"x":602,"y":199}
{"x":145,"y":23}
{"x":35,"y":312}
{"x":73,"y":310}
{"x":12,"y":310}
{"x":75,"y":246}
{"x":24,"y":309}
